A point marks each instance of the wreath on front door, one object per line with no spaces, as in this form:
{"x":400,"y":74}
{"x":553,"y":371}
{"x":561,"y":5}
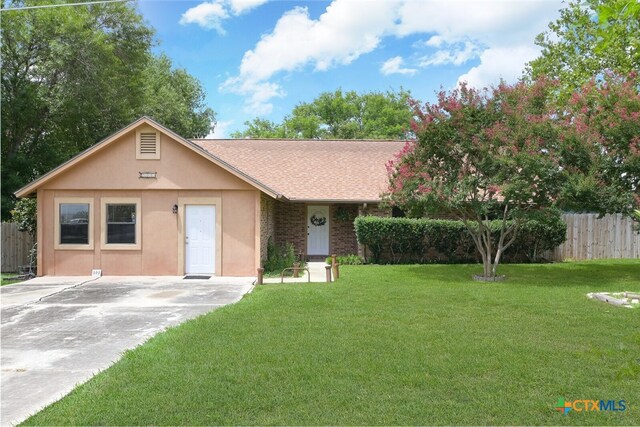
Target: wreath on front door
{"x":318,"y":221}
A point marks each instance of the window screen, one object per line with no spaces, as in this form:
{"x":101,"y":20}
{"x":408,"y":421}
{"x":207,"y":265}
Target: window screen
{"x":121,"y":223}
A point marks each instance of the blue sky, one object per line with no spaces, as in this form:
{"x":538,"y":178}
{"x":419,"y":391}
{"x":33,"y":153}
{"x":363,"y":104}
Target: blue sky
{"x":259,"y":58}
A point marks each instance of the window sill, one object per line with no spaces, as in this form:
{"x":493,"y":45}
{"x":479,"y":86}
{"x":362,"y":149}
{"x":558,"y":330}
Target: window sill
{"x":120,"y":247}
{"x":71,"y":247}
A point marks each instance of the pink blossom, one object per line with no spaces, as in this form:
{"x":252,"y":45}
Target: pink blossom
{"x":492,"y":188}
{"x":424,"y":189}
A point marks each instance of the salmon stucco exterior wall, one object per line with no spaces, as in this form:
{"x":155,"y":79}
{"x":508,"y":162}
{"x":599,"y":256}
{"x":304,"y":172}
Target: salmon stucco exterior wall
{"x":181,"y":176}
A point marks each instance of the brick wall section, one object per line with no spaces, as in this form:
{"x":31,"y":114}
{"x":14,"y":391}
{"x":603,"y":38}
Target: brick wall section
{"x":267,"y":222}
{"x":374,"y":210}
{"x":342,"y":235}
{"x":291,"y":225}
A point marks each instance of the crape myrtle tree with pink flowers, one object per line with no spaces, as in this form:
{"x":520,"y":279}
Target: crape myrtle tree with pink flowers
{"x":496,"y":157}
{"x":600,"y":140}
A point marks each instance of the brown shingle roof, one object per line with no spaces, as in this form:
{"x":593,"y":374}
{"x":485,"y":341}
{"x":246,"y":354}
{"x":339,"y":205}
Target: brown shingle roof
{"x":328,"y":170}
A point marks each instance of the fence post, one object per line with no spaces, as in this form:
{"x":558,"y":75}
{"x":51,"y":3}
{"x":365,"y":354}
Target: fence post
{"x":260,"y":276}
{"x":296,"y":269}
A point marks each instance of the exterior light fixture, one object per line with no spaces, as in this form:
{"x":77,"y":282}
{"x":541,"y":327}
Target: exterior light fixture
{"x":175,"y":209}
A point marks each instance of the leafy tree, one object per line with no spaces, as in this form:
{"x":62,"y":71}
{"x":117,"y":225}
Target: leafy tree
{"x":340,"y":115}
{"x":176,"y":99}
{"x":614,"y":19}
{"x":512,"y":153}
{"x":601,"y":146}
{"x":71,"y":76}
{"x":261,"y":128}
{"x":24,"y":214}
{"x":590,"y":38}
{"x":481,"y":156}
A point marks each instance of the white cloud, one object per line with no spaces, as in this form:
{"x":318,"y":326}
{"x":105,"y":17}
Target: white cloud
{"x":209,"y":15}
{"x":454,"y":54}
{"x":487,"y":21}
{"x":241,"y":6}
{"x":257,"y":94}
{"x":221,"y":130}
{"x":459,"y":30}
{"x":434,"y":41}
{"x":339,"y":36}
{"x":499,"y":63}
{"x":394,"y":66}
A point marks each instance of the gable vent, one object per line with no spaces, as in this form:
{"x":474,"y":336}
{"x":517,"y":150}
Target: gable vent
{"x":148,"y":143}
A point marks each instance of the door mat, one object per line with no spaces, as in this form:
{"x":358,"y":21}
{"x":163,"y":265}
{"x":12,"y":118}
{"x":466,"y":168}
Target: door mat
{"x":195,"y":276}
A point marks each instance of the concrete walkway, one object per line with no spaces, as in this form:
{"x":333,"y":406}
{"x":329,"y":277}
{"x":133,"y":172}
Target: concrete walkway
{"x":316,"y":269}
{"x":59,"y":332}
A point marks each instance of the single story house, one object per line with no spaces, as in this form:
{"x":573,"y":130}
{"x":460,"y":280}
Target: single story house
{"x":146,"y":201}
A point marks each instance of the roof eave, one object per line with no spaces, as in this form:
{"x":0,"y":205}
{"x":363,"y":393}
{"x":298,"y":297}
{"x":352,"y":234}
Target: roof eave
{"x":335,"y":201}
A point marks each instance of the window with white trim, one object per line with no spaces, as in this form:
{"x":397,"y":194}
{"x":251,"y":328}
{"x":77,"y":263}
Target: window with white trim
{"x":120,"y":223}
{"x":73,"y":223}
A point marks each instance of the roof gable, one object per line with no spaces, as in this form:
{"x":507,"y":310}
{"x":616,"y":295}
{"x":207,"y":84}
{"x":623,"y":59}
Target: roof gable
{"x":92,"y":151}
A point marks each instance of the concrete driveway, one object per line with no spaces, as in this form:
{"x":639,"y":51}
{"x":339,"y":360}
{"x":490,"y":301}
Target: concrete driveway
{"x":59,"y":332}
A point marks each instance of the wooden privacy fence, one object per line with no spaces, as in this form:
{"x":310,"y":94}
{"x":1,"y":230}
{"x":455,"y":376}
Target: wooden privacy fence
{"x":15,"y":247}
{"x":590,"y":237}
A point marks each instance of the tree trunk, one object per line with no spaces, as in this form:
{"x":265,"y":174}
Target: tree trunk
{"x":481,"y":235}
{"x":480,"y":231}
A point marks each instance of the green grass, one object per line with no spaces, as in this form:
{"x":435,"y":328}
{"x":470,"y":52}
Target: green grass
{"x":386,"y":345}
{"x":6,"y":276}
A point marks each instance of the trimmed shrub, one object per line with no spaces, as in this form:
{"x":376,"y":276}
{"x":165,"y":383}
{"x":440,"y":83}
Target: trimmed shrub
{"x":539,"y":234}
{"x":408,"y":240}
{"x":350,"y":259}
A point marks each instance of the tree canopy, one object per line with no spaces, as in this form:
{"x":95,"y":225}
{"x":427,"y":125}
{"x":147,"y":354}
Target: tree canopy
{"x":71,"y":76}
{"x":340,"y":115}
{"x":513,"y":152}
{"x":600,"y":140}
{"x":588,"y":39}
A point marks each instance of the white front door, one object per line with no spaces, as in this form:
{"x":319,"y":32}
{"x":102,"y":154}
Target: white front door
{"x":317,"y":230}
{"x":200,"y":239}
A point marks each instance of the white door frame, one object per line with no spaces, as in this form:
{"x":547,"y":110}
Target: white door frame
{"x":319,"y":247}
{"x":181,"y":219}
{"x":200,"y":239}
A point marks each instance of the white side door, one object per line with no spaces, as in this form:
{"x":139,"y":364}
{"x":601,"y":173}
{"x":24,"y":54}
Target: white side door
{"x":200,"y":239}
{"x":317,"y":230}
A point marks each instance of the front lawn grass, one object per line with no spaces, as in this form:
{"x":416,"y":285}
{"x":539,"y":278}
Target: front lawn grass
{"x":386,"y":345}
{"x":7,"y":279}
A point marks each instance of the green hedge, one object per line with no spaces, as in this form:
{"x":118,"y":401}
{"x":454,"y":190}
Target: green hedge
{"x":350,"y":259}
{"x":406,"y":240}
